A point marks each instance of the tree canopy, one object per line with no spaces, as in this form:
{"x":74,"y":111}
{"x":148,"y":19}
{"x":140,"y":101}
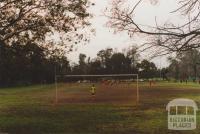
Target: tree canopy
{"x":36,"y":20}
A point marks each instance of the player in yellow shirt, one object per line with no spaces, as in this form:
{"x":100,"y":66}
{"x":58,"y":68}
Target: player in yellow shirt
{"x":93,"y":90}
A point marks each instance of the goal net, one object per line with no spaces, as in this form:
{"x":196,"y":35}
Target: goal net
{"x":111,"y":88}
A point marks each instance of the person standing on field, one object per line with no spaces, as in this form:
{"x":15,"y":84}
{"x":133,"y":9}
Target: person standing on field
{"x":93,"y":90}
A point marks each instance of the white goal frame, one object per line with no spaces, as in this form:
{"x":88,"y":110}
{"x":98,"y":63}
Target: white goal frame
{"x":102,"y":75}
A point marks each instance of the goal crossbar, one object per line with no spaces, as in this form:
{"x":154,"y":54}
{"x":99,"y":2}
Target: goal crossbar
{"x":105,"y":75}
{"x":102,"y":75}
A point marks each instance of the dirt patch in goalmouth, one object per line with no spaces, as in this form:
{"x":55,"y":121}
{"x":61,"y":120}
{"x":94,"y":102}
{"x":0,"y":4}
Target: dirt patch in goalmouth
{"x":104,"y":94}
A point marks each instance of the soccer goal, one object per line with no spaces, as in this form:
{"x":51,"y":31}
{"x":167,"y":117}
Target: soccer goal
{"x":112,"y":83}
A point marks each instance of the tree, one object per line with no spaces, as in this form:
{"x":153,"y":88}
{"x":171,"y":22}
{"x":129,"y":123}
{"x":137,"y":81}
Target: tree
{"x":190,"y":60}
{"x":95,"y":67}
{"x":163,"y":73}
{"x":82,"y":64}
{"x":105,"y":56}
{"x":29,"y":64}
{"x":132,"y":58}
{"x":37,"y":20}
{"x":29,"y":49}
{"x":162,"y":39}
{"x":185,"y":65}
{"x":118,"y":62}
{"x":148,"y":69}
{"x":174,"y":69}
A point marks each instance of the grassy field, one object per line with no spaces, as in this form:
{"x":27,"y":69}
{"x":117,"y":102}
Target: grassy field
{"x":32,"y":110}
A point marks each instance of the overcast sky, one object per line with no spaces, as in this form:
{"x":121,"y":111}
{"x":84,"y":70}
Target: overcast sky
{"x":105,"y":38}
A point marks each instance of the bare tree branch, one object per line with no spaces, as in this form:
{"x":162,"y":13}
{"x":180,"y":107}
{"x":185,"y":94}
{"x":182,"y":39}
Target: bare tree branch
{"x":163,"y":39}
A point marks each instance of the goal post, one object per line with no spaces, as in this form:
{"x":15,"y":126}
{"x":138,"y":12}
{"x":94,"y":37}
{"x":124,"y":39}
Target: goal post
{"x":98,"y":76}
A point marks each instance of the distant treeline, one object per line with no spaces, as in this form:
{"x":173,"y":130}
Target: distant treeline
{"x":32,"y":64}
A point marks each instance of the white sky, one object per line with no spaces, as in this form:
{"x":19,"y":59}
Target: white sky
{"x":105,"y":38}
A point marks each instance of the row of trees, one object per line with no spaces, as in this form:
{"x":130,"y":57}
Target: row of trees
{"x":110,"y":62}
{"x":184,"y":66}
{"x":31,"y":64}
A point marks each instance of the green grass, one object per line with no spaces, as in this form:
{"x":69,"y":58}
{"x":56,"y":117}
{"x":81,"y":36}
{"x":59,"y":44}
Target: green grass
{"x":30,"y":110}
